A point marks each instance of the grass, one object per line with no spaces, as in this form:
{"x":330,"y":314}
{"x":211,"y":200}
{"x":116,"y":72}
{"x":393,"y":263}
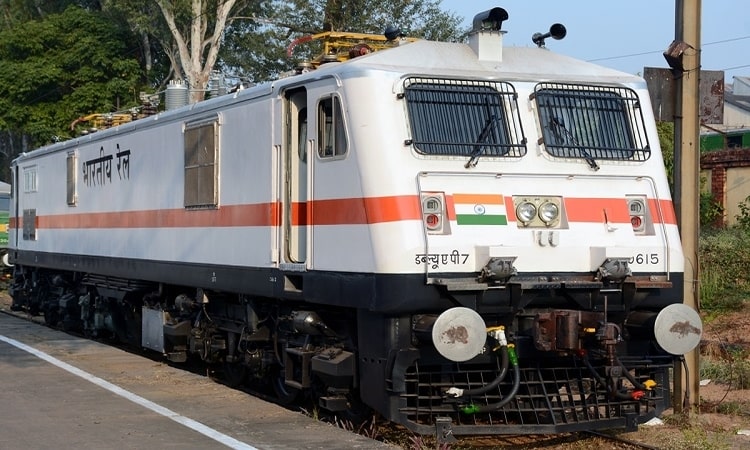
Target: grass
{"x":725,"y":269}
{"x":733,"y":408}
{"x":732,"y":372}
{"x":725,"y":287}
{"x":685,"y":431}
{"x":698,"y":438}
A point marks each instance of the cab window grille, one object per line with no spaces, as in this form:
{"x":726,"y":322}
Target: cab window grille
{"x":591,"y":122}
{"x":463,"y":118}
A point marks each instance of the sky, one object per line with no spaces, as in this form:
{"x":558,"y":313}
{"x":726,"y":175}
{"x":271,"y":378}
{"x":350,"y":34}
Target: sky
{"x":624,"y":35}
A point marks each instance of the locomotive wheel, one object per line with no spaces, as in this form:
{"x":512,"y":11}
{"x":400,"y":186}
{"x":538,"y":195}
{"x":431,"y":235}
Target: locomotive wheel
{"x":51,"y":317}
{"x":16,"y":305}
{"x":285,"y":394}
{"x":358,"y":412}
{"x":235,"y":374}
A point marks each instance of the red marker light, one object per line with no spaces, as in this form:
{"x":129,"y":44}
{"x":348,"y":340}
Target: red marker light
{"x":432,"y":221}
{"x":636,"y":221}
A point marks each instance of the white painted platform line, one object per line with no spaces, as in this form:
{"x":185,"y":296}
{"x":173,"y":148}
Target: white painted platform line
{"x":148,"y":404}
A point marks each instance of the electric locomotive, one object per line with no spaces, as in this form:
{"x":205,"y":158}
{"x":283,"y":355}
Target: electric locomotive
{"x":4,"y":220}
{"x":465,"y":238}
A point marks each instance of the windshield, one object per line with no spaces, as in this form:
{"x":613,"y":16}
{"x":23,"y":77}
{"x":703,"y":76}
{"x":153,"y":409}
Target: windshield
{"x":591,"y":122}
{"x":463,"y":118}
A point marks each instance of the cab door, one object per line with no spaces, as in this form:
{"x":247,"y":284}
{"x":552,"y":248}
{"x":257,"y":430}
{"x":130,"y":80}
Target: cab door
{"x":295,"y":184}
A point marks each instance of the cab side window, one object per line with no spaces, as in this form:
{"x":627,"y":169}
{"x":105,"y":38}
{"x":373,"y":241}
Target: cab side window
{"x":332,"y":141}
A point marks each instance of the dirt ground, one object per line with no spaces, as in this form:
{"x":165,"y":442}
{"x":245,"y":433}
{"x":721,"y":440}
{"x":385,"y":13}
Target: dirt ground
{"x":722,"y":422}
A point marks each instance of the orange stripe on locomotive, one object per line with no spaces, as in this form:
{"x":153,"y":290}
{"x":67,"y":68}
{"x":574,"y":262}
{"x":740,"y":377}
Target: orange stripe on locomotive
{"x":347,"y":211}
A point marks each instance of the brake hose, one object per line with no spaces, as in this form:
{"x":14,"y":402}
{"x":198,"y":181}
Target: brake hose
{"x":474,"y":409}
{"x":620,"y":395}
{"x":499,"y":334}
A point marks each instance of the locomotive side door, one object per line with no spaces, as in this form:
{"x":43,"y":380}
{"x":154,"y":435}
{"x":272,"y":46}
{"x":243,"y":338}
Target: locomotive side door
{"x":295,"y":179}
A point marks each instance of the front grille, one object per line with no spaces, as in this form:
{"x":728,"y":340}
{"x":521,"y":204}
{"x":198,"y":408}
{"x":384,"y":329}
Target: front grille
{"x":551,"y":398}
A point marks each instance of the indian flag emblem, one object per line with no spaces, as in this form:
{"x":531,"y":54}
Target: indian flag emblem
{"x":480,"y":209}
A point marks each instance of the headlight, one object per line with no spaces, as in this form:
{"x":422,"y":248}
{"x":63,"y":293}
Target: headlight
{"x":526,"y":212}
{"x":539,"y":211}
{"x":549,"y":212}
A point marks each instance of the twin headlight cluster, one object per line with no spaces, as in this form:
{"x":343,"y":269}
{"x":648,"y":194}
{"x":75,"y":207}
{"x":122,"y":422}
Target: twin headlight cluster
{"x":538,"y":211}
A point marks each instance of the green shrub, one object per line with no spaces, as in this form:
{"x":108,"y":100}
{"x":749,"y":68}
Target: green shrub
{"x":743,"y":218}
{"x":724,"y":259}
{"x":710,"y":209}
{"x":733,"y":372}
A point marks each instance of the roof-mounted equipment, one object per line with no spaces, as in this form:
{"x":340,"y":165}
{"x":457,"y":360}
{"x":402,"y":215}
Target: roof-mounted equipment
{"x":340,"y":46}
{"x":491,"y":20}
{"x":556,"y":31}
{"x":486,"y":37}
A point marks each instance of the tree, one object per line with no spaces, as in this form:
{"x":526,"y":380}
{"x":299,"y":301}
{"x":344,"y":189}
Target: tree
{"x":248,"y":38}
{"x":153,"y":37}
{"x":254,"y":45}
{"x":666,"y":142}
{"x":196,"y":49}
{"x":15,"y":13}
{"x":58,"y":68}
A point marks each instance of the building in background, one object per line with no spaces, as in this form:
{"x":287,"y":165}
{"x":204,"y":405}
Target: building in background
{"x":725,"y":152}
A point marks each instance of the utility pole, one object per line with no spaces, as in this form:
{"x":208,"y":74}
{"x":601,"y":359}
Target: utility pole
{"x":685,"y":62}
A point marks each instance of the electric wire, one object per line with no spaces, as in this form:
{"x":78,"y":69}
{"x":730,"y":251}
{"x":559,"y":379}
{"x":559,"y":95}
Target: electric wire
{"x":607,"y":58}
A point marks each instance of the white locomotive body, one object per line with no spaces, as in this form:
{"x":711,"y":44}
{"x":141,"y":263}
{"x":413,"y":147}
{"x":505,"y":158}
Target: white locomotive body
{"x":465,"y":237}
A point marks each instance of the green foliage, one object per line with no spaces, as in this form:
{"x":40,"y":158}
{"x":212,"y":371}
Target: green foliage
{"x":61,"y":67}
{"x":723,"y":255}
{"x":151,"y":35}
{"x":710,"y":209}
{"x":17,"y":12}
{"x":417,"y":18}
{"x":743,"y":218}
{"x":666,"y":142}
{"x":733,"y":371}
{"x":733,"y":408}
{"x":256,"y":49}
{"x":698,"y":438}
